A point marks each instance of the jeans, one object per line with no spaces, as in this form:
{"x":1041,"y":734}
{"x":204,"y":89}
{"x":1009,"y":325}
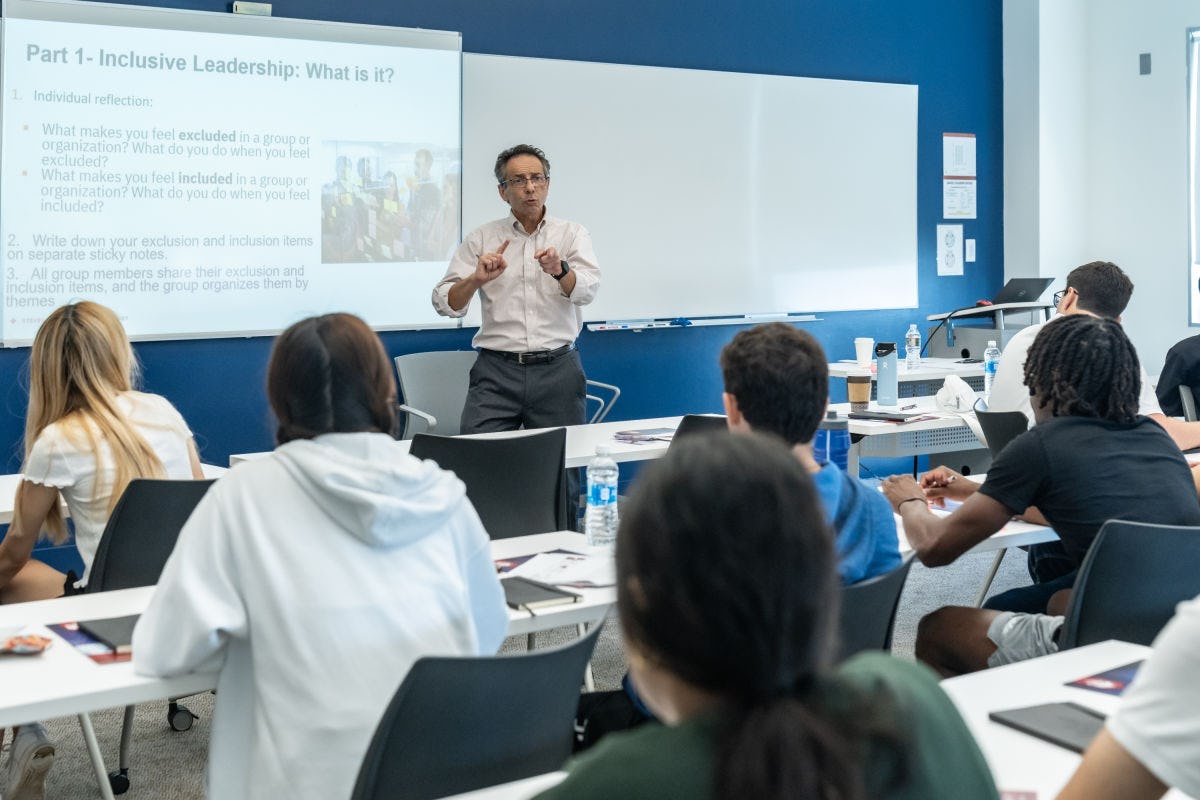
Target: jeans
{"x":1048,"y":561}
{"x":1030,"y":599}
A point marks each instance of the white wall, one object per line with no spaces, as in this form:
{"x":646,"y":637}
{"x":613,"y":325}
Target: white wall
{"x":1045,"y":162}
{"x":1021,"y":77}
{"x":1137,"y":208}
{"x":1062,"y":111}
{"x":1111,"y":152}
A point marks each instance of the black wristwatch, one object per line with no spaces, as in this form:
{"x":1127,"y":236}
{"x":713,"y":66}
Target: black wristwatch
{"x":565,"y":267}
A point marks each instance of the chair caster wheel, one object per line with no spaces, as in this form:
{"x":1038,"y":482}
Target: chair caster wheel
{"x":179,"y":717}
{"x":119,"y":781}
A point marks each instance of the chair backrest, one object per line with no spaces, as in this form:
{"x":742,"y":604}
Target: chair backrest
{"x":516,"y":483}
{"x":869,"y":611}
{"x":1187,"y":399}
{"x":1001,"y":427}
{"x":604,"y":405}
{"x":692,"y":424}
{"x":141,"y":532}
{"x":435,"y":383}
{"x":1133,"y":576}
{"x":458,"y":724}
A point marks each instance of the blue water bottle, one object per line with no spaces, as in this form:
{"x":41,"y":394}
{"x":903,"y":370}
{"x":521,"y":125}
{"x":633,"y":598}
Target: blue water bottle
{"x":887,"y":389}
{"x":832,"y":442}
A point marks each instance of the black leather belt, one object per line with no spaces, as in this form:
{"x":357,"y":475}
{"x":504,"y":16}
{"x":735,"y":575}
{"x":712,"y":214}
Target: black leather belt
{"x":536,"y":357}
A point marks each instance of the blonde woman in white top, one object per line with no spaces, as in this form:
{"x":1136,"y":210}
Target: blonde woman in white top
{"x":87,"y":434}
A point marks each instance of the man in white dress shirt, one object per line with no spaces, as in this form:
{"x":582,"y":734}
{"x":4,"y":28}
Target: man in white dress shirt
{"x":533,"y":273}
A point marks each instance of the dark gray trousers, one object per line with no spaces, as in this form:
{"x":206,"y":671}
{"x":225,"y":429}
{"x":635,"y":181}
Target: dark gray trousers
{"x":504,"y":396}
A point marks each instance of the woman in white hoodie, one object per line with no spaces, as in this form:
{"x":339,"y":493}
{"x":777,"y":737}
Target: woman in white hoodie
{"x":316,"y":577}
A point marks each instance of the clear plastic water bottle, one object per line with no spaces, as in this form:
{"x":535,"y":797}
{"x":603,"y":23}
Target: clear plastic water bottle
{"x":832,"y":442}
{"x":991,"y":362}
{"x":600,"y":520}
{"x":912,"y":348}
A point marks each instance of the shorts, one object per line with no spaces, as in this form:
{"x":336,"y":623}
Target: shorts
{"x":69,"y":587}
{"x":1019,"y":637}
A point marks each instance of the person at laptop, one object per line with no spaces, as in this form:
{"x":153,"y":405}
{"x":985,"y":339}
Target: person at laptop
{"x":1090,"y":458}
{"x":1099,"y":289}
{"x":777,"y":382}
{"x":727,"y":592}
{"x":314,"y":578}
{"x":1152,"y":742}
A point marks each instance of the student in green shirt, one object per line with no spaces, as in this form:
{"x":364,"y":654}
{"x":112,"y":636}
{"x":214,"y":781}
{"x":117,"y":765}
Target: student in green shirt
{"x":728,"y":598}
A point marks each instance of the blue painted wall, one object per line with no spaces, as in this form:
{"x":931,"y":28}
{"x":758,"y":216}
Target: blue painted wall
{"x":951,"y":50}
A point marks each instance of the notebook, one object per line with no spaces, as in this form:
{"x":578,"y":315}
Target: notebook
{"x":115,"y":632}
{"x":1068,"y":725}
{"x":526,"y":594}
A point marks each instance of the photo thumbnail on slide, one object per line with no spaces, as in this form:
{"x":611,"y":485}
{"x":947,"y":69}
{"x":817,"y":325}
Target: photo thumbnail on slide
{"x":210,"y":182}
{"x":390,"y":202}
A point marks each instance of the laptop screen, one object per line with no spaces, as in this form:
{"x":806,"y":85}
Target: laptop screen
{"x":1022,"y":290}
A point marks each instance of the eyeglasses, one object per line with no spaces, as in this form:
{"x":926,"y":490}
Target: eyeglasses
{"x":1058,"y":296}
{"x":519,"y":181}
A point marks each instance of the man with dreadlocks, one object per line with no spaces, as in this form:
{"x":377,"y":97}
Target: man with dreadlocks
{"x":1089,"y":458}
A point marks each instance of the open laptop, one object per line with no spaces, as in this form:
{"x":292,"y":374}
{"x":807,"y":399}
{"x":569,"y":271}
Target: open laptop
{"x":1021,"y":290}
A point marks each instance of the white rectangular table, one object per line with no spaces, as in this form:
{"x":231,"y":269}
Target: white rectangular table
{"x":516,"y":790}
{"x":9,"y":484}
{"x":596,"y":602}
{"x":63,"y":682}
{"x":919,"y":382}
{"x":945,"y":433}
{"x":582,"y":441}
{"x":1018,"y":761}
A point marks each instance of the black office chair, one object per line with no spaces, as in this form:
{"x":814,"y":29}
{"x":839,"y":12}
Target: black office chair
{"x":141,"y":532}
{"x":869,"y":611}
{"x":458,"y":724}
{"x":136,"y":543}
{"x":693,"y":424}
{"x":1133,"y":576}
{"x":1000,"y":427}
{"x":516,"y":483}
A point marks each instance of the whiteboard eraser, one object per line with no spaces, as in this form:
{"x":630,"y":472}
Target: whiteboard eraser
{"x":257,"y":9}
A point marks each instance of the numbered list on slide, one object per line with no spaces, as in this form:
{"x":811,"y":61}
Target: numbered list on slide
{"x":223,"y":182}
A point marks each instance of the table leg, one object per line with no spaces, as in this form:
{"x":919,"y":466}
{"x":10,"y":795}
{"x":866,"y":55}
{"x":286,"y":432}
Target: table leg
{"x":991,"y":576}
{"x":93,"y":748}
{"x":853,"y":455}
{"x":589,"y":680}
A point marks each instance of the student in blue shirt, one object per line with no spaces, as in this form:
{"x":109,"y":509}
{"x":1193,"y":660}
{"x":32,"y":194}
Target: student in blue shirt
{"x":777,"y":382}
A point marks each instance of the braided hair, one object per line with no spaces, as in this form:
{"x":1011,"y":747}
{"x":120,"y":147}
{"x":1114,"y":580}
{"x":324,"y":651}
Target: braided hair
{"x":1084,"y":366}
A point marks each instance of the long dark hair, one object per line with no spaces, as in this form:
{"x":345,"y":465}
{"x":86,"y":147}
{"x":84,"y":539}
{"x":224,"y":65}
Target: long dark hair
{"x":727,"y":579}
{"x":330,"y":374}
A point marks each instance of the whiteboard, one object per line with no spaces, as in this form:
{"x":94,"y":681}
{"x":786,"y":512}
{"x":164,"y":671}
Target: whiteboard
{"x":710,"y":193}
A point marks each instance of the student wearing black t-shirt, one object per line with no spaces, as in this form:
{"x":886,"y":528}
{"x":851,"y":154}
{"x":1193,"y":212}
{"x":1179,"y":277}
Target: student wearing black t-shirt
{"x":1089,"y":458}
